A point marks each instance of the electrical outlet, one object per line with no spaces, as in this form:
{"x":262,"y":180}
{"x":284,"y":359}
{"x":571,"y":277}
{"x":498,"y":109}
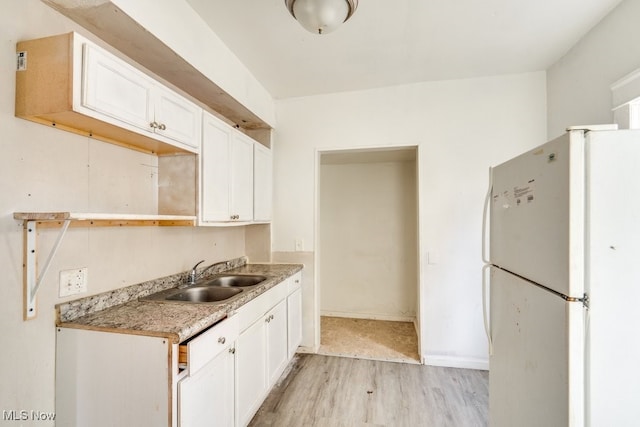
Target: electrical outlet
{"x":299,"y":244}
{"x":73,"y":282}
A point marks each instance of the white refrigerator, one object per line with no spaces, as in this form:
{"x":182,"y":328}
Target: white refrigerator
{"x":562,"y":283}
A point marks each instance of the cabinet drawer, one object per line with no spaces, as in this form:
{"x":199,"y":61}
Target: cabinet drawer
{"x":251,"y":311}
{"x":294,"y":282}
{"x":204,"y":347}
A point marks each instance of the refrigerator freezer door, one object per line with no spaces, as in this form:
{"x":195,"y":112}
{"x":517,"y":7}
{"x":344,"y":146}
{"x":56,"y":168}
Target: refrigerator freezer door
{"x":614,"y":279}
{"x":537,"y":215}
{"x":536,"y":373}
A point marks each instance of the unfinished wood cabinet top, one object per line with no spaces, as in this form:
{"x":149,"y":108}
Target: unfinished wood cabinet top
{"x":105,"y":219}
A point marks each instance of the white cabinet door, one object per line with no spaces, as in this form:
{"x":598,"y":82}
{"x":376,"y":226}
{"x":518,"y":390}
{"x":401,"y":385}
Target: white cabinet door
{"x":276,"y":341}
{"x":262,"y":183}
{"x":176,"y":118}
{"x":226,"y":186}
{"x":215,"y":169}
{"x":242,"y":177}
{"x":294,"y":320}
{"x":115,"y":89}
{"x":119,"y":91}
{"x":207,"y":398}
{"x":251,"y":375}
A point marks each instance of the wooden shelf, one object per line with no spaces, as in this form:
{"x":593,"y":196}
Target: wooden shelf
{"x":32,"y":220}
{"x":84,"y":219}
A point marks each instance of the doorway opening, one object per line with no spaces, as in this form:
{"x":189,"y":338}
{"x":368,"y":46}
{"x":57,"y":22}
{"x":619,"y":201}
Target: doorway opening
{"x":368,"y":253}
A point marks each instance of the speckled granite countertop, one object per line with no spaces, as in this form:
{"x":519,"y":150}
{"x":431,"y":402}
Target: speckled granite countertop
{"x":121,"y":311}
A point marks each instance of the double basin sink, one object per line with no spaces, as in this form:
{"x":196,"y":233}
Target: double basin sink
{"x":215,"y":289}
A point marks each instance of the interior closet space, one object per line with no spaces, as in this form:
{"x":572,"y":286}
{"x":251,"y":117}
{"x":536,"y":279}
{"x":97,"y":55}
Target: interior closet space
{"x":390,"y":341}
{"x":368,"y":246}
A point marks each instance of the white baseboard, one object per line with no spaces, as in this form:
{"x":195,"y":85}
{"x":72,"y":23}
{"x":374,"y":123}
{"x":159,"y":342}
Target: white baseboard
{"x":369,"y":316}
{"x":456,"y":362}
{"x":307,"y":350}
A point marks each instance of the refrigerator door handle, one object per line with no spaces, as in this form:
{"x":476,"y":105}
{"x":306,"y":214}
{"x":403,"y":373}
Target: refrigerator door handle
{"x":486,"y":286}
{"x":485,"y":214}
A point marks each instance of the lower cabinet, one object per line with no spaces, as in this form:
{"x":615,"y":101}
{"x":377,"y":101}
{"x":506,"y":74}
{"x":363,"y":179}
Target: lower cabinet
{"x":219,"y":377}
{"x":206,"y":398}
{"x":276,"y":341}
{"x":261,"y":356}
{"x":230,"y":374}
{"x":294,"y":314}
{"x":251,"y":371}
{"x":206,"y":394}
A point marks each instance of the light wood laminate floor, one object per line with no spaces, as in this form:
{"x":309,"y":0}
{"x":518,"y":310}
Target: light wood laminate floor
{"x":328,"y":391}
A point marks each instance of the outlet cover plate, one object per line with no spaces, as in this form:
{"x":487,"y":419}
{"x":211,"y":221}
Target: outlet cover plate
{"x":73,"y":282}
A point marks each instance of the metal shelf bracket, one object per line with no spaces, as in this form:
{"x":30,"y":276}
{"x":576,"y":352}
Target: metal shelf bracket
{"x":32,"y":279}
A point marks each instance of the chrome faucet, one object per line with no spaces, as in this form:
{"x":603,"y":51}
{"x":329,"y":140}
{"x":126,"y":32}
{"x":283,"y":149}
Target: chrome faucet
{"x":193,"y":274}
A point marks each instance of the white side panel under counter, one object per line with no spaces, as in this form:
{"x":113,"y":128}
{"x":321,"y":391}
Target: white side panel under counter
{"x":97,"y":372}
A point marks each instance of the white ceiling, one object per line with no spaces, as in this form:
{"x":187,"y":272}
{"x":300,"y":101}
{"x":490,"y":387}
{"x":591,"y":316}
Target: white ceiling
{"x":392,"y":42}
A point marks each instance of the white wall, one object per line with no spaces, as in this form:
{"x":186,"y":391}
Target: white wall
{"x":45,"y":169}
{"x":462,"y":127}
{"x":368,"y":240}
{"x":578,"y":85}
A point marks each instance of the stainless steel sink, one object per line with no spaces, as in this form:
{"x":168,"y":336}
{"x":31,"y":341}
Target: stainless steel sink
{"x":234,"y":280}
{"x":215,"y":289}
{"x":203,"y":294}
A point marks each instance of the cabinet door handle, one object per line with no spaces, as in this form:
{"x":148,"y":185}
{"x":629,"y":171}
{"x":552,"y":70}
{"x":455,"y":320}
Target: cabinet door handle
{"x":162,"y":126}
{"x":153,"y":125}
{"x":232,"y":350}
{"x":268,"y":319}
{"x":222,"y":340}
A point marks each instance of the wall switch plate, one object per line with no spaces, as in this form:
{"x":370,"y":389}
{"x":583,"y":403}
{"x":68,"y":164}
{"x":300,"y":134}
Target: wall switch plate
{"x":73,"y":281}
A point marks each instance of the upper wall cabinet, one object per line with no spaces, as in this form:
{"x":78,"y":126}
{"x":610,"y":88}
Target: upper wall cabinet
{"x":215,"y":170}
{"x":70,"y":83}
{"x":229,"y":161}
{"x":226,"y":165}
{"x":241,"y":193}
{"x":262,"y":183}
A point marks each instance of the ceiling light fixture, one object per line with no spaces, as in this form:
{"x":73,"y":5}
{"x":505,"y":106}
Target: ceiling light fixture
{"x":321,"y":16}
